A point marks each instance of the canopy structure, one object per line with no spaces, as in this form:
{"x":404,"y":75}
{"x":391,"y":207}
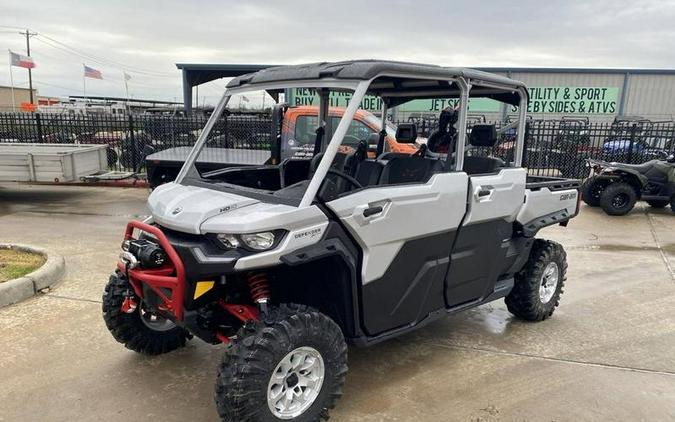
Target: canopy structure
{"x":396,"y":83}
{"x":196,"y":74}
{"x":252,"y":74}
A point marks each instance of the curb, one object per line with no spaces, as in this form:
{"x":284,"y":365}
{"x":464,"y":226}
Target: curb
{"x":47,"y":276}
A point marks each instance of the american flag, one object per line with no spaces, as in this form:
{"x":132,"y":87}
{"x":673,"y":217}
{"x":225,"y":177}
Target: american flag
{"x":90,"y":72}
{"x":21,"y":61}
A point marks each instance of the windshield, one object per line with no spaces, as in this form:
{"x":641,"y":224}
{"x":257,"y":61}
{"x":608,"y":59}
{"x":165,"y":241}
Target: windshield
{"x":252,"y":146}
{"x":330,"y":144}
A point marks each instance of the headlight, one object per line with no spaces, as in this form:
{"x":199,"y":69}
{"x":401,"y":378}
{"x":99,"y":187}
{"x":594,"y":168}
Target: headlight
{"x":253,"y":241}
{"x":229,"y":240}
{"x":258,"y":241}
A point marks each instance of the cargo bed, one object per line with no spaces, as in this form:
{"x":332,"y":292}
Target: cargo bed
{"x":552,"y":183}
{"x":31,"y":162}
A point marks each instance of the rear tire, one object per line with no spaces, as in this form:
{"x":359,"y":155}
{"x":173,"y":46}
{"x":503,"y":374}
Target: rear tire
{"x":591,"y":190}
{"x":149,"y":337}
{"x":618,"y":198}
{"x":265,"y":367}
{"x":539,"y":285}
{"x":658,"y":203}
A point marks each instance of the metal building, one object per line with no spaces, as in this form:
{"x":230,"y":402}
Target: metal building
{"x":598,"y":94}
{"x":649,"y":93}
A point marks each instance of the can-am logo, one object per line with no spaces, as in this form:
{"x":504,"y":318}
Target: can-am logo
{"x":310,"y":233}
{"x":566,"y":196}
{"x":177,"y":211}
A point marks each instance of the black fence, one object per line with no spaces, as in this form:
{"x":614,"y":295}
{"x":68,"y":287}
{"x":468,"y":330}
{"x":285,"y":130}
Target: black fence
{"x":132,"y":137}
{"x":561,"y":147}
{"x":553,"y":147}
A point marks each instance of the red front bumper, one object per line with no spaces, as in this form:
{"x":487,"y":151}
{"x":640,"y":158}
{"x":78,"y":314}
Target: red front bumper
{"x":171,"y":276}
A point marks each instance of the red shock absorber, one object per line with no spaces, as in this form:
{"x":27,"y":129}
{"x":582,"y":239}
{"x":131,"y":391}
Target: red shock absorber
{"x":259,"y":286}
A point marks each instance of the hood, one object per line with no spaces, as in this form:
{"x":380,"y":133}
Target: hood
{"x":185,"y":208}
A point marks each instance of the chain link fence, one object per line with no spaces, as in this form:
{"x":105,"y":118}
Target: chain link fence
{"x":553,"y":147}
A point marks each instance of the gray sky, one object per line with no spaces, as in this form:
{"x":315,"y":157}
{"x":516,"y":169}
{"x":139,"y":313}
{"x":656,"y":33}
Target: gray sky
{"x":147,"y":37}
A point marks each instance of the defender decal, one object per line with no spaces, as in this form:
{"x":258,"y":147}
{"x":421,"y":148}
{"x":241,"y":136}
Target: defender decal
{"x":311,"y":233}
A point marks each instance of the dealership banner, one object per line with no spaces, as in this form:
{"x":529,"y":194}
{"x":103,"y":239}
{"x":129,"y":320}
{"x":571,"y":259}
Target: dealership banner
{"x":309,"y":97}
{"x":573,"y":100}
{"x":547,"y":100}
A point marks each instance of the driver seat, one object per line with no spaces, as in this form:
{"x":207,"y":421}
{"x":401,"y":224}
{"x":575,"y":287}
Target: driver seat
{"x":445,"y":133}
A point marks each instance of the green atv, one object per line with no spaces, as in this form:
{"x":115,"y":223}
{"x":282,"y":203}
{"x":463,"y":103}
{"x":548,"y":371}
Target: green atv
{"x":615,"y":187}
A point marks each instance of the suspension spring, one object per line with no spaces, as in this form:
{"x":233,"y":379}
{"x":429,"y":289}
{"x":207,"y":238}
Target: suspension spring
{"x":259,"y":286}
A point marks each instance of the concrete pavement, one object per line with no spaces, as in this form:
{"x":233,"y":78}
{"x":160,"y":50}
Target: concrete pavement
{"x":607,"y":354}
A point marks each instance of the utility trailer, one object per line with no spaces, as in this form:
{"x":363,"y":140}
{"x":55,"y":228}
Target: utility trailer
{"x":287,"y":135}
{"x":32,"y":162}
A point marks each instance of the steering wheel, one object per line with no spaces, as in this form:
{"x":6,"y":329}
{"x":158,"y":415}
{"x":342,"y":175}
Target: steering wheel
{"x":346,"y":177}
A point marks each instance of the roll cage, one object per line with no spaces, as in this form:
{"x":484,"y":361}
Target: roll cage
{"x":394,"y":82}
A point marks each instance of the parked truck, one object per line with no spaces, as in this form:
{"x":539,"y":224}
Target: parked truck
{"x":290,"y":133}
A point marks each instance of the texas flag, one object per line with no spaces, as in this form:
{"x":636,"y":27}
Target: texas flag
{"x":21,"y":61}
{"x":90,"y":72}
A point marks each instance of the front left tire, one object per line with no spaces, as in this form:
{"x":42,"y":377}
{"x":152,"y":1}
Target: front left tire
{"x":591,"y":190}
{"x":142,"y":331}
{"x":292,"y":366}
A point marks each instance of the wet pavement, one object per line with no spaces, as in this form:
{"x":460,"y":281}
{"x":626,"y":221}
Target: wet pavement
{"x":607,"y":353}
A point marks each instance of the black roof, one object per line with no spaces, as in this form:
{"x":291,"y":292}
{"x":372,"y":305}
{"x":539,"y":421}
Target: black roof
{"x":368,"y":69}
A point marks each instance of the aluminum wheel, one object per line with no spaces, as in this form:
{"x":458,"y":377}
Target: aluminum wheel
{"x":549,"y":282}
{"x":295,"y":383}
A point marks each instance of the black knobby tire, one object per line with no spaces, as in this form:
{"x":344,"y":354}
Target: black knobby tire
{"x":524,"y":300}
{"x":129,"y":329}
{"x":672,"y":204}
{"x":658,"y":203}
{"x":245,"y":372}
{"x":591,"y":190}
{"x":618,"y":198}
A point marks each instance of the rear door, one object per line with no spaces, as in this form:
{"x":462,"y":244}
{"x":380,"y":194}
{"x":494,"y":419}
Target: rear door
{"x":481,"y":250}
{"x":406,"y":234}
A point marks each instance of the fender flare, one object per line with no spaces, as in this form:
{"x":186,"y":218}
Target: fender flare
{"x":335,"y":243}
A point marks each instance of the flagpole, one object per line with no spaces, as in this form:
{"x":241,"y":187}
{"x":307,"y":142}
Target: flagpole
{"x":126,"y":88}
{"x":11,"y":81}
{"x":84,"y":87}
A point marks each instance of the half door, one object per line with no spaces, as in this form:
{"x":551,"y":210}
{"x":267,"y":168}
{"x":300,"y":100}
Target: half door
{"x":406,"y":234}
